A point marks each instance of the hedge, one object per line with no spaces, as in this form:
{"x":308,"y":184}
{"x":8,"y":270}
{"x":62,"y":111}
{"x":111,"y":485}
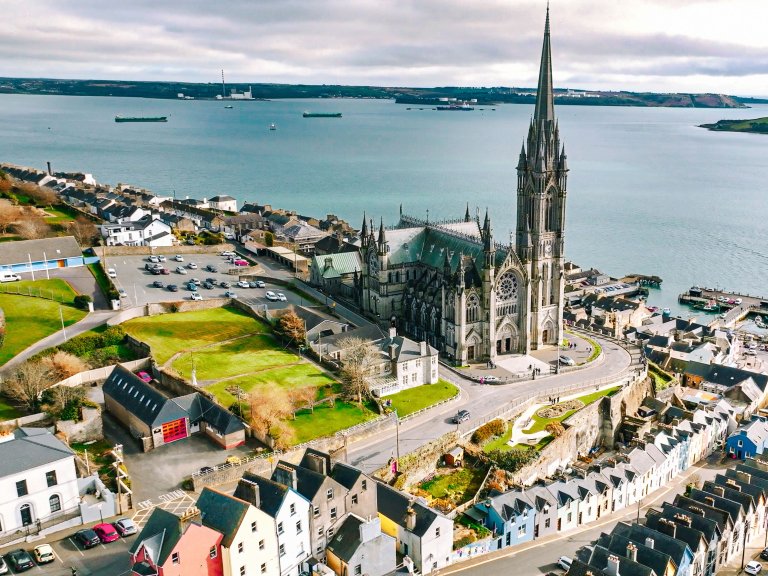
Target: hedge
{"x":489,"y":430}
{"x":86,"y":343}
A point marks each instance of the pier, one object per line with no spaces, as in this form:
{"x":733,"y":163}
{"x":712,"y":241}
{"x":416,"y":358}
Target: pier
{"x":733,"y":306}
{"x":643,"y":280}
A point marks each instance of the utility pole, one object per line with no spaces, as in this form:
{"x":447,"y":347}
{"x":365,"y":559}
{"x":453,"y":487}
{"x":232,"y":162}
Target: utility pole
{"x":117,"y":452}
{"x":61,"y":315}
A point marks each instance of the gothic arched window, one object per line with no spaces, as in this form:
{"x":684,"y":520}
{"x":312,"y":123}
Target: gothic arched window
{"x":473,"y":308}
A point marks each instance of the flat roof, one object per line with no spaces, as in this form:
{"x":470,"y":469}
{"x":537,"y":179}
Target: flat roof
{"x":287,"y":253}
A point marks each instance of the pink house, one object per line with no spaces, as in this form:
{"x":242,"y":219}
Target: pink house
{"x":171,"y":545}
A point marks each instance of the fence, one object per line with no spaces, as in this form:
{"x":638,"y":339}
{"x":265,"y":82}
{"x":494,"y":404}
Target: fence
{"x":97,"y":374}
{"x":24,"y":420}
{"x":37,"y":527}
{"x":55,"y":295}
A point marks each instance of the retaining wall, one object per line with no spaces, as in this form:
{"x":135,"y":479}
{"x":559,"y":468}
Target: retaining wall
{"x":90,"y":428}
{"x":145,"y":250}
{"x":98,"y":374}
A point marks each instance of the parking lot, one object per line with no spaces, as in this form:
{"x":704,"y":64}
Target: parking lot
{"x":137,"y":281}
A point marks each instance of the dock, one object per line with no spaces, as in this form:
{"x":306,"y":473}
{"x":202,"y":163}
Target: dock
{"x":643,"y":280}
{"x":733,"y":307}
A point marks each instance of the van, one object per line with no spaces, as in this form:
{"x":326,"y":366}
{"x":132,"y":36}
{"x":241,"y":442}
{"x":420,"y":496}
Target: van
{"x":111,"y":272}
{"x":564,"y":562}
{"x":9,"y":277}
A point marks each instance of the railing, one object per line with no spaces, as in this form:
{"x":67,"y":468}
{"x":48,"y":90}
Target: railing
{"x":37,"y":526}
{"x":47,"y":294}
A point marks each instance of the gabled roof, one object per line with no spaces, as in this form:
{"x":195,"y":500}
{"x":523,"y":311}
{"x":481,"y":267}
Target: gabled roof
{"x":627,"y":567}
{"x":733,"y":508}
{"x":405,"y":348}
{"x":725,"y":375}
{"x":222,"y":513}
{"x":721,"y":518}
{"x":341,"y":263}
{"x":708,"y":527}
{"x":21,"y":251}
{"x":394,"y":505}
{"x":139,"y":398}
{"x":641,"y":461}
{"x":564,"y":492}
{"x":653,"y":558}
{"x":223,"y":198}
{"x":271,"y":494}
{"x":159,"y":536}
{"x":346,"y":475}
{"x":675,"y":549}
{"x":745,"y":499}
{"x":31,"y":447}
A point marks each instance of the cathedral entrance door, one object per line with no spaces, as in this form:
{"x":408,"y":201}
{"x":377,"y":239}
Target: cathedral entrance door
{"x":498,"y":346}
{"x":470,"y":353}
{"x":545,"y":337}
{"x":508,"y":345}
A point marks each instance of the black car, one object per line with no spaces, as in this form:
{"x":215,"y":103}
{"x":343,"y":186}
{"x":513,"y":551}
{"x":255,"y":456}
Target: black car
{"x":172,"y":288}
{"x":211,"y":268}
{"x":205,"y":470}
{"x":20,"y":560}
{"x":225,"y":284}
{"x":211,"y":281}
{"x":461,"y":416}
{"x":208,"y":285}
{"x":158,"y":284}
{"x":764,"y":554}
{"x":87,"y":538}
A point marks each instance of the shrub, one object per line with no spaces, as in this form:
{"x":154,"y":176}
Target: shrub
{"x":399,"y":481}
{"x":84,"y":344}
{"x":489,"y":430}
{"x":82,"y":301}
{"x":556,"y":429}
{"x":514,"y":459}
{"x":63,"y":364}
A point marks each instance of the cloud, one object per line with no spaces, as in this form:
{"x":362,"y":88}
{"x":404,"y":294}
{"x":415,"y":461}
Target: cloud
{"x":390,"y":42}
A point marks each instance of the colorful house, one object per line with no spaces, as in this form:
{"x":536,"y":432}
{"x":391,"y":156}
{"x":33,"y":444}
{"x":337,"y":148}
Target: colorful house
{"x":748,"y":441}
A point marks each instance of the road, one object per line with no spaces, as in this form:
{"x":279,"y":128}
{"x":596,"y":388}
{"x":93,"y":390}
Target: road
{"x":482,"y":400}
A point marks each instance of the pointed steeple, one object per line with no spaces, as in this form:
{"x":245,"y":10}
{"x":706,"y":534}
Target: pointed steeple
{"x":545,"y":107}
{"x":467,"y":217}
{"x":382,"y":237}
{"x":364,"y":229}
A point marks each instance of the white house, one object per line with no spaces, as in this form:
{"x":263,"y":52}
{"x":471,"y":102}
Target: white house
{"x":404,"y":364}
{"x":226,"y":203}
{"x":148,"y":231}
{"x":289,"y":513}
{"x":38,"y":480}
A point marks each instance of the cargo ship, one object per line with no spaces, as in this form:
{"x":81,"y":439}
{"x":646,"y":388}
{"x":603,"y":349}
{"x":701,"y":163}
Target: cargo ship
{"x":322,"y":114}
{"x":141,"y":118}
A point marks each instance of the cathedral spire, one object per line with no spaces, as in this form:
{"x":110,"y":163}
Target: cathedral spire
{"x":467,"y":217}
{"x":382,"y":237}
{"x":364,"y":229}
{"x":545,"y":108}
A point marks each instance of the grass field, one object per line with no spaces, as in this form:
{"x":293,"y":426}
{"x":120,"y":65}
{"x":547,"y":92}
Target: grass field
{"x":500,"y":443}
{"x":53,"y":289}
{"x":8,"y":411}
{"x":171,"y":333}
{"x":459,"y":486}
{"x":31,"y":319}
{"x":415,"y":399}
{"x":248,"y":354}
{"x":327,"y":420}
{"x":541,"y":423}
{"x":296,"y":376}
{"x":60,"y":214}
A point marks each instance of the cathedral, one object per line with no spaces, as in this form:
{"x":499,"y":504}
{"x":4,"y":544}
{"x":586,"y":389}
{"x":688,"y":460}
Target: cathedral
{"x":451,"y":284}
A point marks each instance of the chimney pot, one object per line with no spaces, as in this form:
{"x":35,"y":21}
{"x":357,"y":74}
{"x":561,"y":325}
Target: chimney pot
{"x":613,"y":565}
{"x":410,"y":518}
{"x":650,"y":542}
{"x":632,"y":552}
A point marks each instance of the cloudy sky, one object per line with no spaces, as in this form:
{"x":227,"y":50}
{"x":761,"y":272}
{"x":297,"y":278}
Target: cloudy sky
{"x":658,"y":45}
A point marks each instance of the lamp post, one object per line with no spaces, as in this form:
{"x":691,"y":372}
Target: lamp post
{"x":47,"y":274}
{"x":31,"y":271}
{"x":61,"y":315}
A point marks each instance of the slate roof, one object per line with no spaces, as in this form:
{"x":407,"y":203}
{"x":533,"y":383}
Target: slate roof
{"x":30,"y":447}
{"x":756,"y":431}
{"x":345,"y":475}
{"x":676,"y":549}
{"x":20,"y":251}
{"x":308,"y":482}
{"x":223,"y":198}
{"x":341,"y":263}
{"x":690,"y":536}
{"x":640,"y":461}
{"x":654,"y":559}
{"x":139,"y":398}
{"x":717,"y":515}
{"x":346,"y":541}
{"x":214,"y":415}
{"x":746,"y":500}
{"x":510,"y":505}
{"x":159,"y":536}
{"x":725,"y":375}
{"x":222,"y":513}
{"x":394,"y":504}
{"x":627,"y":567}
{"x":405,"y":348}
{"x":271,"y":494}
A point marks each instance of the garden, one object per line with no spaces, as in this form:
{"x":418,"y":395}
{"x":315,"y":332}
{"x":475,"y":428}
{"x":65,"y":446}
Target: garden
{"x":420,"y":397}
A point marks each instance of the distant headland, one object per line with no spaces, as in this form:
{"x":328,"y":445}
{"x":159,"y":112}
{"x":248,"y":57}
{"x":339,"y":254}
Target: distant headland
{"x":755,"y":126}
{"x":403,"y":95}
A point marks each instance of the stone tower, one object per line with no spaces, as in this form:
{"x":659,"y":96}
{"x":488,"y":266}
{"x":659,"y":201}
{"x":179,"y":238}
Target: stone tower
{"x":541,"y":192}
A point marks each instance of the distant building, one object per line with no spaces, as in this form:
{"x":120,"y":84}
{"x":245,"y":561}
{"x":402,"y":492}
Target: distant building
{"x":226,"y":203}
{"x":147,"y":231}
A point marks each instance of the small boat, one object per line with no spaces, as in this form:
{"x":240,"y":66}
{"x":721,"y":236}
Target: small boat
{"x":666,"y":311}
{"x":322,"y":114}
{"x":229,"y":106}
{"x":272,"y":127}
{"x":141,"y":118}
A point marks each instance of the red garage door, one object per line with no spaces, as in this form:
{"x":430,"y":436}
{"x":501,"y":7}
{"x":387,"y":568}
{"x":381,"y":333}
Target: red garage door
{"x":175,"y":430}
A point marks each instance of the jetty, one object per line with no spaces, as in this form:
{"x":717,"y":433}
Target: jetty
{"x":733,"y":306}
{"x":643,"y":280}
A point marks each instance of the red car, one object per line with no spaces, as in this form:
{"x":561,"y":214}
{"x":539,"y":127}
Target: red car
{"x":106,"y":532}
{"x":144,"y":376}
{"x":240,"y":262}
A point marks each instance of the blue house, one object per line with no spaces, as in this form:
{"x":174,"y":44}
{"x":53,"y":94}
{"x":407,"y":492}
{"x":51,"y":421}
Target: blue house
{"x":510,"y":516}
{"x":39,"y":255}
{"x":748,"y":441}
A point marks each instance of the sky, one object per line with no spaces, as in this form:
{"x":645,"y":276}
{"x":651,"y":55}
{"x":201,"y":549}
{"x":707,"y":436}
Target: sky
{"x":640,"y":45}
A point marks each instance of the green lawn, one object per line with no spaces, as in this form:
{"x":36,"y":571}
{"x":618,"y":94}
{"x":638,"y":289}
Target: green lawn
{"x":31,"y":319}
{"x":53,"y":289}
{"x":60,"y":214}
{"x":295,"y":376}
{"x":8,"y":411}
{"x":171,"y":333}
{"x":500,"y":442}
{"x":248,"y":354}
{"x":541,"y":423}
{"x":414,"y":399}
{"x":101,"y":278}
{"x":458,"y":486}
{"x":327,"y":420}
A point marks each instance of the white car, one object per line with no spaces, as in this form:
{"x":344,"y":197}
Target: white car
{"x":564,"y":562}
{"x":227,"y":253}
{"x":111,"y":272}
{"x":281,"y":297}
{"x":271,"y":296}
{"x":567,"y":360}
{"x":123,"y":293}
{"x":181,"y":270}
{"x":753,"y":567}
{"x":154,"y":259}
{"x":192,"y":266}
{"x":179,"y":258}
{"x":242,"y":284}
{"x":196,"y":296}
{"x":160,"y":258}
{"x":44,"y":554}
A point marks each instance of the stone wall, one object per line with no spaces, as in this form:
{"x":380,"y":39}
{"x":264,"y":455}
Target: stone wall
{"x":145,"y":250}
{"x":90,"y":428}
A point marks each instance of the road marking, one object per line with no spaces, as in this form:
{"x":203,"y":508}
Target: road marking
{"x":144,"y":504}
{"x":76,"y":547}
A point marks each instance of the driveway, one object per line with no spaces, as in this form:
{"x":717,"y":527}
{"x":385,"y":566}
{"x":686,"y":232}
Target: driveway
{"x":80,"y":278}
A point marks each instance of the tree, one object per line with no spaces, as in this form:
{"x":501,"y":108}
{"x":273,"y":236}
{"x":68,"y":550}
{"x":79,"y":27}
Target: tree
{"x":292,"y":327}
{"x":360,"y":358}
{"x":39,"y":195}
{"x":270,"y":405}
{"x":302,"y":398}
{"x":556,"y":429}
{"x":27,"y":383}
{"x":84,"y":231}
{"x":8,"y":215}
{"x":32,"y":227}
{"x":269,"y":239}
{"x":63,"y":365}
{"x":64,"y":402}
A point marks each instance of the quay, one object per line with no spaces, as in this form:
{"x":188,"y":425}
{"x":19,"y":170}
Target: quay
{"x":643,"y":280}
{"x":733,"y":306}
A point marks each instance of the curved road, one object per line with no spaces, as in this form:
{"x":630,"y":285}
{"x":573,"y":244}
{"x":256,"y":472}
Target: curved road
{"x":483,"y":401}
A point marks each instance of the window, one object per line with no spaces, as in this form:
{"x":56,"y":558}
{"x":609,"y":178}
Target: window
{"x":55,"y":503}
{"x":175,"y":558}
{"x":317,"y":511}
{"x":263,"y":568}
{"x":333,"y":513}
{"x":364,"y":484}
{"x":434,"y":565}
{"x":240,"y":548}
{"x":293,"y":509}
{"x":242,"y":570}
{"x":279,"y":527}
{"x":570,"y":516}
{"x":282,"y":549}
{"x":521,"y":530}
{"x":21,"y":488}
{"x":213,"y":552}
{"x":437,"y":532}
{"x":50,"y":478}
{"x":320,"y":531}
{"x":546,"y":523}
{"x":261,"y":544}
{"x":298,"y":527}
{"x":330,"y":532}
{"x":358,"y":570}
{"x":354,"y":498}
{"x":330,"y":493}
{"x":253,"y":526}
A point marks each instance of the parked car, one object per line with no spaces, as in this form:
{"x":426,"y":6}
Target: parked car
{"x":225,"y":284}
{"x":230,"y":294}
{"x":461,"y":416}
{"x":125,"y":527}
{"x":271,"y":295}
{"x":164,"y":271}
{"x":281,"y":297}
{"x":172,"y":288}
{"x":179,"y":258}
{"x":567,"y":360}
{"x":122,"y":293}
{"x":242,"y":284}
{"x":153,"y":259}
{"x":211,"y":281}
{"x":196,"y":296}
{"x":145,"y":376}
{"x":20,"y":560}
{"x":260,"y":284}
{"x":106,"y":532}
{"x":195,"y":281}
{"x":564,"y":562}
{"x":753,"y":567}
{"x":158,"y":284}
{"x":111,"y":272}
{"x":161,"y":258}
{"x":211,"y":268}
{"x":240,"y":262}
{"x":207,"y":285}
{"x":192,"y":266}
{"x":181,"y":270}
{"x":764,"y":554}
{"x":490,"y":378}
{"x":227,"y":253}
{"x":192,"y":286}
{"x":44,"y":554}
{"x":87,"y":538}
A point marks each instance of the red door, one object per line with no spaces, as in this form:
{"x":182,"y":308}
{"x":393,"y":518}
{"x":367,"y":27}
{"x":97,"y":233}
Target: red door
{"x":175,"y":430}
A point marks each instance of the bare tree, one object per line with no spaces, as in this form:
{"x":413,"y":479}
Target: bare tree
{"x":8,"y":215}
{"x":360,"y":359}
{"x":556,"y":429}
{"x":27,"y":383}
{"x":59,"y":397}
{"x":39,"y":195}
{"x":32,"y":227}
{"x":270,"y":405}
{"x":63,"y":365}
{"x":84,"y":231}
{"x":302,"y":398}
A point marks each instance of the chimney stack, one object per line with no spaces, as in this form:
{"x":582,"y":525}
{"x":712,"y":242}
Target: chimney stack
{"x":710,"y":501}
{"x":667,"y":527}
{"x":632,"y":552}
{"x":732,"y":484}
{"x":410,"y":519}
{"x":613,"y":565}
{"x":316,"y":463}
{"x":392,"y":351}
{"x":696,"y":510}
{"x":285,"y":475}
{"x":370,"y":529}
{"x":248,"y":491}
{"x":744,"y":476}
{"x":649,"y":542}
{"x":50,"y":172}
{"x":684,"y":520}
